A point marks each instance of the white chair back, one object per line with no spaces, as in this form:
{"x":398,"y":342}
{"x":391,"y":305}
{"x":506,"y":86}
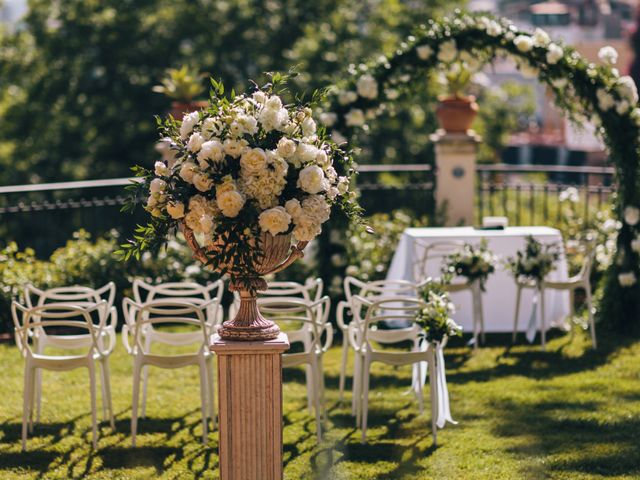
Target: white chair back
{"x":74,"y":295}
{"x":430,"y":257}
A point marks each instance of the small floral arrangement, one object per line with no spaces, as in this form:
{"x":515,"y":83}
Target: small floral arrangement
{"x":474,"y":263}
{"x":244,"y":166}
{"x":535,"y":261}
{"x":435,"y":317}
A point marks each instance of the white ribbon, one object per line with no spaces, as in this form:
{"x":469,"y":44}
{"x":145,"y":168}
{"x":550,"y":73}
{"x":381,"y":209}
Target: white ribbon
{"x":439,"y":382}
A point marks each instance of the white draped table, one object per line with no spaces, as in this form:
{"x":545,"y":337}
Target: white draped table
{"x":499,"y":300}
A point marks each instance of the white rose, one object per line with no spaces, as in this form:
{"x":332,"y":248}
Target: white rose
{"x":448,"y":51}
{"x":254,"y":161}
{"x":622,"y":107}
{"x":286,"y":147}
{"x":308,"y":127}
{"x":524,"y":43}
{"x":554,"y":53}
{"x":273,"y":119}
{"x":354,"y":118}
{"x":234,"y":148}
{"x":202,"y":182}
{"x":152,"y":202}
{"x":230,"y":203}
{"x":260,"y":97}
{"x":211,"y":150}
{"x":306,"y":230}
{"x":343,"y":185}
{"x":273,"y":103}
{"x":367,"y":87}
{"x":635,"y":244}
{"x":608,"y":55}
{"x":328,"y":118}
{"x":157,"y":185}
{"x":187,"y":170}
{"x":605,"y":99}
{"x":627,"y":89}
{"x":305,"y":152}
{"x":347,"y":96}
{"x":275,"y":220}
{"x":175,"y":209}
{"x":540,"y":38}
{"x":322,"y":159}
{"x":160,"y":169}
{"x":195,"y":142}
{"x":631,"y":215}
{"x":424,"y":52}
{"x":312,"y":180}
{"x":627,"y":279}
{"x":493,"y":28}
{"x":293,"y":208}
{"x":188,"y":122}
{"x":210,"y":127}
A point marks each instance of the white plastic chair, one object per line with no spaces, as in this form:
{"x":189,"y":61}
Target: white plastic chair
{"x":158,"y":312}
{"x":432,"y":257}
{"x":581,"y":280}
{"x":378,"y":289}
{"x":364,"y":343}
{"x":28,"y":321}
{"x":79,"y":296}
{"x":189,"y":292}
{"x":305,"y":329}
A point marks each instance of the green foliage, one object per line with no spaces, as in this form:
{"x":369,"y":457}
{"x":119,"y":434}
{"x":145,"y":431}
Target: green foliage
{"x":181,"y":84}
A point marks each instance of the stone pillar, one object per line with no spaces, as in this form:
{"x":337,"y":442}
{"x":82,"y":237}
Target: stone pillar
{"x":456,"y":175}
{"x":250,"y":408}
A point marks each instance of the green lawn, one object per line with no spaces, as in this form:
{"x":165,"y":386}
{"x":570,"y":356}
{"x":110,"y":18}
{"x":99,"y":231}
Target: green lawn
{"x":565,"y":413}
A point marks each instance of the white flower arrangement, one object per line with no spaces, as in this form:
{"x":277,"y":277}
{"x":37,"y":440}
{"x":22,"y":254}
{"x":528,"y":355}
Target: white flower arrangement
{"x":244,"y":166}
{"x":535,"y":262}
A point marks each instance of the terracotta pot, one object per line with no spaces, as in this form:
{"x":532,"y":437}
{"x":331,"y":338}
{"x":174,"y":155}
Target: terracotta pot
{"x":456,"y":114}
{"x":179,"y":109}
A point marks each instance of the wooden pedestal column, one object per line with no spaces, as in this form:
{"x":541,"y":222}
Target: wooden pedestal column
{"x":250,"y":408}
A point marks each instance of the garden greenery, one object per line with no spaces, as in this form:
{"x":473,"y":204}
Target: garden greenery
{"x":582,"y":90}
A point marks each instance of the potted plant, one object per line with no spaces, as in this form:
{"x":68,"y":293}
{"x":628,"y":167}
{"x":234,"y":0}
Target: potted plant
{"x":183,"y":85}
{"x":249,"y":181}
{"x":456,"y":111}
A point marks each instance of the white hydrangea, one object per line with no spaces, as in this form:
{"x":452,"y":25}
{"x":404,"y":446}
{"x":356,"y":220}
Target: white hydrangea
{"x":367,"y":87}
{"x":424,"y":52}
{"x":274,"y":220}
{"x":448,"y":51}
{"x":312,"y":180}
{"x":266,"y":185}
{"x":188,"y":122}
{"x":608,"y":55}
{"x":554,"y":53}
{"x":354,"y":118}
{"x":306,"y":230}
{"x":524,"y":43}
{"x":316,"y":208}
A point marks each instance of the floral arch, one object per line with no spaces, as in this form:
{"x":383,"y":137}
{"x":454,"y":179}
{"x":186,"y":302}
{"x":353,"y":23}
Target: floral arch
{"x":583,"y":90}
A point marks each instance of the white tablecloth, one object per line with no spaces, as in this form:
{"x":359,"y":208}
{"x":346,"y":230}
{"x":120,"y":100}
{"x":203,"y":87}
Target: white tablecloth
{"x":499,"y":300}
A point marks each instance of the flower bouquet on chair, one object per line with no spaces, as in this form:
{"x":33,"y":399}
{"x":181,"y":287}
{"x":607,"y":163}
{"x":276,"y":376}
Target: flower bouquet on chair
{"x":435,"y":318}
{"x":535,"y":262}
{"x":249,"y":181}
{"x":473,"y":263}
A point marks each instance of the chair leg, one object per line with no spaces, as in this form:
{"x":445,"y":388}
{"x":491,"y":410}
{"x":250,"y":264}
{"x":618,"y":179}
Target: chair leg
{"x":365,"y":398}
{"x":343,"y":364}
{"x":316,"y":397}
{"x":145,"y":379}
{"x":212,"y":391}
{"x":515,"y":318}
{"x":592,"y":325}
{"x":433,"y":393}
{"x":38,"y":394}
{"x":357,"y":381}
{"x":309,"y":379}
{"x":203,"y":399}
{"x":92,"y":387}
{"x":33,"y":399}
{"x":419,"y":389}
{"x":321,"y":388}
{"x":26,"y":403}
{"x":106,"y":399}
{"x":481,"y":312}
{"x":543,"y":321}
{"x":103,"y":388}
{"x":134,"y":406}
{"x":476,"y":319}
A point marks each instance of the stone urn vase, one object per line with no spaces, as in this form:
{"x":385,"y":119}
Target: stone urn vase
{"x":275,"y":254}
{"x":456,"y":113}
{"x":180,"y":109}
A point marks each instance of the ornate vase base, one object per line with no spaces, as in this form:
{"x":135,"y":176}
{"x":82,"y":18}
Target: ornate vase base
{"x":228,"y":331}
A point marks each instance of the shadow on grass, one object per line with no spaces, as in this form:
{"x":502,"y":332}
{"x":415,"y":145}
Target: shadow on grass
{"x":579,"y":444}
